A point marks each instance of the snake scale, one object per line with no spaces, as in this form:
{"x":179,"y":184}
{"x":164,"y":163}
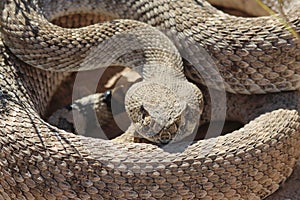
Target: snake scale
{"x":252,"y":55}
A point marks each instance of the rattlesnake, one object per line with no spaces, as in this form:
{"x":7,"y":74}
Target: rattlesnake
{"x":41,"y":161}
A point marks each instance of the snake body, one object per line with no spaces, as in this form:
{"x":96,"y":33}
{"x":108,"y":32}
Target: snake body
{"x":39,"y":161}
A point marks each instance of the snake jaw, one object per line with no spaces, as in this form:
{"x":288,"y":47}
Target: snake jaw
{"x":158,"y":133}
{"x":182,"y":126}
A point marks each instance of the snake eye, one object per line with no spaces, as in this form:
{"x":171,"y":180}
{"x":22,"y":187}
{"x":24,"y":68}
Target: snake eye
{"x":144,"y":112}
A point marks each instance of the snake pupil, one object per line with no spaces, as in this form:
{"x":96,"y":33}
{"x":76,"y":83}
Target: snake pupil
{"x":107,"y":98}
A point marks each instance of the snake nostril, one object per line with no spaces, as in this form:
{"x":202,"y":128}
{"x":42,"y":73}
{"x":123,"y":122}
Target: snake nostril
{"x":145,"y":129}
{"x":165,"y":137}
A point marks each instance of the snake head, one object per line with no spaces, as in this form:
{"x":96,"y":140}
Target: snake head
{"x":162,"y":113}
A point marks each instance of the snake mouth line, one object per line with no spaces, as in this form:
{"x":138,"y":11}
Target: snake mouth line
{"x":160,"y":134}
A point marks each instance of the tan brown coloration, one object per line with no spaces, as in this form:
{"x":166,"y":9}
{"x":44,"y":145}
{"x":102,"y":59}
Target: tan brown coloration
{"x":253,"y":55}
{"x":40,"y":161}
{"x":146,"y":49}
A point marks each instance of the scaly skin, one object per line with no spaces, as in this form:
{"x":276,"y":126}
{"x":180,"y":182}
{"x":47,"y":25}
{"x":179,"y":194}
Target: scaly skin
{"x":40,"y":161}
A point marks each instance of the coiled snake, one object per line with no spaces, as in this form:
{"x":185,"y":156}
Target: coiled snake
{"x":251,"y":55}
